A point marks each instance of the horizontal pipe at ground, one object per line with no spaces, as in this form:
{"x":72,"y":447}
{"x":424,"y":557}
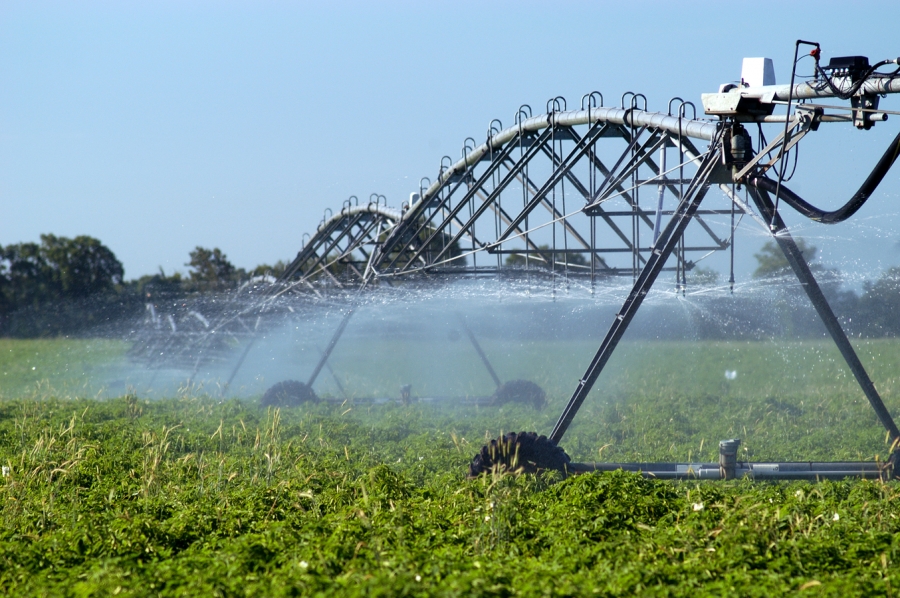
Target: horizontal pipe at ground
{"x":789,"y":470}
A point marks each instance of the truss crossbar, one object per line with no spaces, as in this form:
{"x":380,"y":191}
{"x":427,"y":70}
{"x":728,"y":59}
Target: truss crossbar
{"x":668,"y":240}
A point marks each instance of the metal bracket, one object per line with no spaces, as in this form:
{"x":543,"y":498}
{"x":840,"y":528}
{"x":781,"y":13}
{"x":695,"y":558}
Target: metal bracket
{"x":806,"y":118}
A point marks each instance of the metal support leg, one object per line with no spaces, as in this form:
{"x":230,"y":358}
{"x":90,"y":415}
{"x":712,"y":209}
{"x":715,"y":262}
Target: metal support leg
{"x":662,"y":249}
{"x":334,"y":375}
{"x":484,"y":359}
{"x":238,"y":365}
{"x":804,"y":274}
{"x":331,"y":344}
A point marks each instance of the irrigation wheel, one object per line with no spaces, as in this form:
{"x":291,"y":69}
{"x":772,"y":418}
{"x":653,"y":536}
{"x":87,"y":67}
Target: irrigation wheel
{"x":525,"y":452}
{"x":289,"y":393}
{"x":521,"y":391}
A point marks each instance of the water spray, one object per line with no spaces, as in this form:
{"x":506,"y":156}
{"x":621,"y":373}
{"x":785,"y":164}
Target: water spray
{"x":647,"y":211}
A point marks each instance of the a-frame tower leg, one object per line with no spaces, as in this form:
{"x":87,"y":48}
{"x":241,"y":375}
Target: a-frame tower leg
{"x":801,"y":269}
{"x":661,"y":250}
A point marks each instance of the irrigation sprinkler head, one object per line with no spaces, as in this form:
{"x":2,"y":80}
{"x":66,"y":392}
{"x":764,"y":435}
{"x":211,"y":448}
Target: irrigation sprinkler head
{"x":728,"y":450}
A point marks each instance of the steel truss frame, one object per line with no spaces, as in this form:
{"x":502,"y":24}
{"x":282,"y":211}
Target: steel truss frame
{"x":507,"y":197}
{"x":374,"y":243}
{"x":715,"y":167}
{"x":510,"y":198}
{"x":718,"y":165}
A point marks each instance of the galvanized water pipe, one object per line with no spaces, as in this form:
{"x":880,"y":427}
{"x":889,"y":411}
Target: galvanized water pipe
{"x":807,"y":91}
{"x":698,"y":129}
{"x":390,"y":213}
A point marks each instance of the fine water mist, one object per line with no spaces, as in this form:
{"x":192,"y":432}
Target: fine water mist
{"x":415,"y":334}
{"x":700,"y":354}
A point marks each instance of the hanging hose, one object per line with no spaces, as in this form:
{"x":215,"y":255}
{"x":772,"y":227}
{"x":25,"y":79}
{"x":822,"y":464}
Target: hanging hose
{"x":847,"y":210}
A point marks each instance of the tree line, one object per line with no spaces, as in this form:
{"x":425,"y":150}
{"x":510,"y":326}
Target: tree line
{"x":786,"y":311}
{"x":71,"y":286}
{"x":64,"y":286}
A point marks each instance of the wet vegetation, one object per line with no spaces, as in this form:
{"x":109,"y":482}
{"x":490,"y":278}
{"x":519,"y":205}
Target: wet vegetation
{"x":197,"y":495}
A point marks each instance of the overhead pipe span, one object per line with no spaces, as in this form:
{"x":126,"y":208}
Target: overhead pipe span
{"x":389,"y":213}
{"x":698,"y":129}
{"x":807,"y":91}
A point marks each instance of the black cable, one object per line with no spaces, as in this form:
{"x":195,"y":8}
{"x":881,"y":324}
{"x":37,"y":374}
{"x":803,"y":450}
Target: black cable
{"x":762,"y":140}
{"x":796,"y":151}
{"x":847,"y":210}
{"x":846,"y":95}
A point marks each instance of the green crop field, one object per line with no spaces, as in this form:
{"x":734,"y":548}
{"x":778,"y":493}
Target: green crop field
{"x":196,"y":495}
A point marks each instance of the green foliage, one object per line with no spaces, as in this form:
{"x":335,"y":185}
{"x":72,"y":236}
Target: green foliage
{"x":193,"y":496}
{"x":75,"y":286}
{"x":210,"y":268}
{"x":880,"y":304}
{"x":36,"y":368}
{"x":275,"y":270}
{"x":772,"y":263}
{"x":58,"y":268}
{"x":62,"y":286}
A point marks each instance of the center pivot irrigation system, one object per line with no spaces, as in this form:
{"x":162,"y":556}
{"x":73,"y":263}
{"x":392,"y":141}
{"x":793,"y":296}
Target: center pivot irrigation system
{"x":504,"y":209}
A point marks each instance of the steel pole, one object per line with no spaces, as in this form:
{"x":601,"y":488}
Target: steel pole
{"x":814,"y":292}
{"x":666,"y":244}
{"x":331,"y":345}
{"x":484,"y":359}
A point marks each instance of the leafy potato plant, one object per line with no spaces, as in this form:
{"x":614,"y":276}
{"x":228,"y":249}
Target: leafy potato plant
{"x":196,"y":496}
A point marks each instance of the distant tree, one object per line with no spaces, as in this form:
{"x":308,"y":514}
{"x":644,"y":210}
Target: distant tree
{"x":275,"y":270}
{"x":58,"y":268}
{"x":794,"y":314}
{"x":82,"y":266}
{"x":772,"y":263}
{"x":60,"y":286}
{"x":879,"y":304}
{"x":212,"y":267}
{"x":26,"y":275}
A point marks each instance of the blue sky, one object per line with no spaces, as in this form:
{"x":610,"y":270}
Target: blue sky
{"x":159,"y":126}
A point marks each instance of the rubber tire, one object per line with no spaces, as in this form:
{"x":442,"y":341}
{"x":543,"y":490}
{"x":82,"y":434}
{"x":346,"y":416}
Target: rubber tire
{"x":289,"y":393}
{"x":523,"y":452}
{"x":521,"y":391}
